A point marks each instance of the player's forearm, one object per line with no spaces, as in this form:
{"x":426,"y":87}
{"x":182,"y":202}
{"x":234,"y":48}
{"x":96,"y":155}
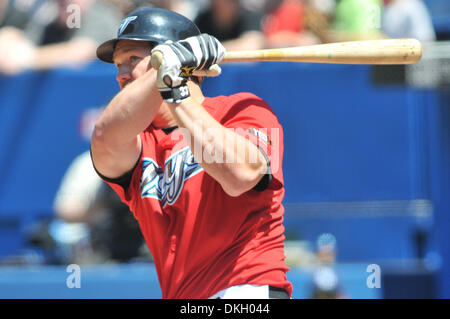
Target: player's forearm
{"x":129,"y":113}
{"x":232,"y":160}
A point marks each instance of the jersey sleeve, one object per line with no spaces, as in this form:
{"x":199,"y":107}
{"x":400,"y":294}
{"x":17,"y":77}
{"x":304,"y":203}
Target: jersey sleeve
{"x":252,"y":118}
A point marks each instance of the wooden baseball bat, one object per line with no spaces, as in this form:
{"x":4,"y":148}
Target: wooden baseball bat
{"x":385,"y":51}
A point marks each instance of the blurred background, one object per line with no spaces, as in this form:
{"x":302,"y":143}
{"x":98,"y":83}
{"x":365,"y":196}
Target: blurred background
{"x":366,"y":154}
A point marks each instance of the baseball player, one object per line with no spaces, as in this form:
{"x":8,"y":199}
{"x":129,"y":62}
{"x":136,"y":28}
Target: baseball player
{"x":214,"y":227}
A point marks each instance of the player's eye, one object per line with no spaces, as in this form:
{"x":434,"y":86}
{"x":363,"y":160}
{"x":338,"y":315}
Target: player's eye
{"x":134,"y":59}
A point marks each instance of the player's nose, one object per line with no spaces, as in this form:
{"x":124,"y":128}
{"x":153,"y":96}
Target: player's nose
{"x":123,"y":77}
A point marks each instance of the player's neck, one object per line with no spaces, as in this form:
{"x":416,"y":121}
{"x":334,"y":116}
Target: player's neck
{"x":164,"y":118}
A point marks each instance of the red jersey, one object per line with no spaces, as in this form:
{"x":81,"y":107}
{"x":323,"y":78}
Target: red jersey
{"x":201,"y":239}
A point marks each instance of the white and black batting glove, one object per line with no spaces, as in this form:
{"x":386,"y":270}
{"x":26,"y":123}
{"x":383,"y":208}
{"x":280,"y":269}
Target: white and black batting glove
{"x":197,"y":55}
{"x":171,"y":85}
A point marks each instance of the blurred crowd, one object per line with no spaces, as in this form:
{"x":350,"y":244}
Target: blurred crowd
{"x":41,"y":34}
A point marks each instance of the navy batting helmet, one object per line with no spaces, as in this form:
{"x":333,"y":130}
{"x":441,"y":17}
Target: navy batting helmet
{"x":152,"y":25}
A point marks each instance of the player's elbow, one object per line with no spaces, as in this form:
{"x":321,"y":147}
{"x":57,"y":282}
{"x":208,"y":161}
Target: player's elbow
{"x":97,"y":133}
{"x":102,"y":139}
{"x":102,"y":145}
{"x":245,"y":179}
{"x":98,"y":138}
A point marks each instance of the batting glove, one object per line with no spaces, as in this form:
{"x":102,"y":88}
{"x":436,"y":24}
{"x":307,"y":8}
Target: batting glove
{"x":197,"y":55}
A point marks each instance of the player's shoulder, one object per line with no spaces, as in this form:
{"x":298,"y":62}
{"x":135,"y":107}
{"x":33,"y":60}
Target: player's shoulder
{"x":223,"y":107}
{"x":248,"y":102}
{"x":239,"y":101}
{"x":244,"y":96}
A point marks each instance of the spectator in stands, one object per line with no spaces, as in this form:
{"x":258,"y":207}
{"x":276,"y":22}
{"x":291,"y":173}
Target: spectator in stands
{"x":188,"y":8}
{"x":75,"y":207}
{"x":4,"y":5}
{"x":318,"y":16}
{"x":17,"y":52}
{"x":21,"y":26}
{"x":127,"y":6}
{"x":286,"y":25}
{"x":12,"y":15}
{"x":71,"y":38}
{"x":407,"y":19}
{"x":325,"y":278}
{"x":90,"y":223}
{"x":356,"y":20}
{"x":236,"y":27}
{"x":91,"y":219}
{"x":254,"y":5}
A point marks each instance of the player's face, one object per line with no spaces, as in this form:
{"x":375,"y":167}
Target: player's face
{"x":132,"y":59}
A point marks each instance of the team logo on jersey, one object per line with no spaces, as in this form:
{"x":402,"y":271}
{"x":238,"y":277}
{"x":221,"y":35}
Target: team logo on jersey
{"x":124,"y":24}
{"x":260,"y":135}
{"x":166,"y":184}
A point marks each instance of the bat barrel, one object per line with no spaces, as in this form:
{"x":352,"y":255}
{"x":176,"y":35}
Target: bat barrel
{"x":389,"y":51}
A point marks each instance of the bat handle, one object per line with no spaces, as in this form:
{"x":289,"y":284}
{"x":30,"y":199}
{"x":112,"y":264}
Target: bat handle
{"x":157,"y":59}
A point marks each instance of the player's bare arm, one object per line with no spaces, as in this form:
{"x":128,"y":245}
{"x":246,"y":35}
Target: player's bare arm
{"x":201,"y":53}
{"x":115,"y":142}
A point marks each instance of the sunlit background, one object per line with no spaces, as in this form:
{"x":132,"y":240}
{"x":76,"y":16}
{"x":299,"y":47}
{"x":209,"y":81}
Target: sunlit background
{"x":366,"y":154}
